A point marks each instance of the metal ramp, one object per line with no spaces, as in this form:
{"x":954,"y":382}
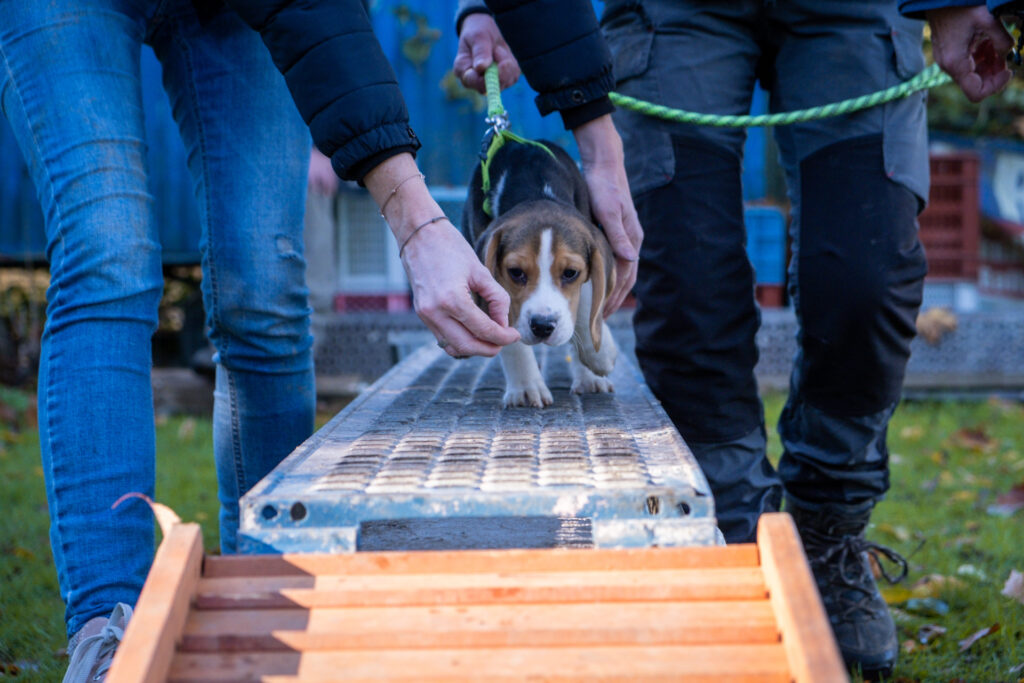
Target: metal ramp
{"x":427,"y":458}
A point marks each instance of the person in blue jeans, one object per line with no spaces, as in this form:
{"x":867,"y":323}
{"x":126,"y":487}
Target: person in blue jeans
{"x":69,"y":86}
{"x":856,"y":184}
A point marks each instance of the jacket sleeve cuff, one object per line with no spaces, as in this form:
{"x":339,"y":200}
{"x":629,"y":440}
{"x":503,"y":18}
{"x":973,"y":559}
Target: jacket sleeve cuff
{"x":467,"y":7}
{"x":575,"y":117}
{"x":916,"y":9}
{"x":359,"y":170}
{"x":577,"y":95}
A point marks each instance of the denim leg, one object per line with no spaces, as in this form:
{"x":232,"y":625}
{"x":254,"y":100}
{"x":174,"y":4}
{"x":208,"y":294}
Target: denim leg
{"x":248,"y":152}
{"x":73,"y":98}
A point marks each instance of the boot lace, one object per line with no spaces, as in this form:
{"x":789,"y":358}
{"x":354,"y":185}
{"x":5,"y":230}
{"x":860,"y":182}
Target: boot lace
{"x":846,"y":570}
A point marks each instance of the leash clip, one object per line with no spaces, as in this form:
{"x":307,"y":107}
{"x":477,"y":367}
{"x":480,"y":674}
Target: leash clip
{"x":497,"y":122}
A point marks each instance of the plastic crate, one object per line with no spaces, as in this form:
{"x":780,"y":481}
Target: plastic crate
{"x":950,"y":226}
{"x":766,"y":243}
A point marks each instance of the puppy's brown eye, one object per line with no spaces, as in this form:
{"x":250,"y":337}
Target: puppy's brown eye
{"x":568,"y":275}
{"x":517,"y":275}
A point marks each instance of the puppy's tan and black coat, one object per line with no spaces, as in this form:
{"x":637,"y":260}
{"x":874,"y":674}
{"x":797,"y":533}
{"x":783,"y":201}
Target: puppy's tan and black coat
{"x":541,"y":243}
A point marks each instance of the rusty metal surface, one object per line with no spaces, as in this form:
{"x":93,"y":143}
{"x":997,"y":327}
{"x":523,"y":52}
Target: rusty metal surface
{"x":429,"y":452}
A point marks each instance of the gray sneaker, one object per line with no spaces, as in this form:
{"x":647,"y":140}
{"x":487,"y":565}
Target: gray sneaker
{"x":92,"y":653}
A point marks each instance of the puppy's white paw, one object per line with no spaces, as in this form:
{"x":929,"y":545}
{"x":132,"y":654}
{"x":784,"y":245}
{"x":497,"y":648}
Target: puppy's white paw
{"x":600,"y":362}
{"x":586,"y":382}
{"x":534,"y":394}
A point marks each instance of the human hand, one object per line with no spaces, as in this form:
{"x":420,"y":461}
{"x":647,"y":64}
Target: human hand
{"x":321,"y":176}
{"x":444,"y":271}
{"x":480,"y":44}
{"x":971,"y":46}
{"x":610,"y":201}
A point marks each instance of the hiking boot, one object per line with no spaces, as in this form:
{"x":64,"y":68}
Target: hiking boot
{"x":837,"y":551}
{"x":92,"y":649}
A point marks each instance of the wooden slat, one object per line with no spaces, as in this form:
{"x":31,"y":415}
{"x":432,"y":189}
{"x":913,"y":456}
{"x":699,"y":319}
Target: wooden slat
{"x":806,"y":635}
{"x":144,"y":655}
{"x":481,"y":626}
{"x":628,"y":663}
{"x":464,"y":561}
{"x":464,"y":589}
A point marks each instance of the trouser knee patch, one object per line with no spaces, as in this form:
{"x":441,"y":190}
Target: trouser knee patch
{"x":860,"y":276}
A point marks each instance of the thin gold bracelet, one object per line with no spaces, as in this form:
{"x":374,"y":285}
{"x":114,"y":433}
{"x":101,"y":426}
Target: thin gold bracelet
{"x":419,"y":227}
{"x":395,"y":191}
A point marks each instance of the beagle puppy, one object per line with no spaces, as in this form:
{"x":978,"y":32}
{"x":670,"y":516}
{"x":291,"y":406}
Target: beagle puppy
{"x":541,"y":243}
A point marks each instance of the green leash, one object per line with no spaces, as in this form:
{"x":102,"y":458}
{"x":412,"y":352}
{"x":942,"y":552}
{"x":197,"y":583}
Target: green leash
{"x":929,"y":78}
{"x":497,"y":133}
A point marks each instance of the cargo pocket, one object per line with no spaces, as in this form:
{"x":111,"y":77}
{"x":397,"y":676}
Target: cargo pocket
{"x":630,"y":35}
{"x":905,"y":128}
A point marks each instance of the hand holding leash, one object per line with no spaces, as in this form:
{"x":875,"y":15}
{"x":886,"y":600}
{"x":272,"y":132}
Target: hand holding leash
{"x":480,"y":45}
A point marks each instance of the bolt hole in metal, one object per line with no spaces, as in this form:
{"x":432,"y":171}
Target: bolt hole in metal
{"x":269,"y":512}
{"x":684,"y":509}
{"x":653,"y":505}
{"x":298,"y":512}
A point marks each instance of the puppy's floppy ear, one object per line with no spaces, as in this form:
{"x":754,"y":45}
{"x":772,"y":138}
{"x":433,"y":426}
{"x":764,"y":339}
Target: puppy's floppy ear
{"x":602,"y":281}
{"x":488,"y":250}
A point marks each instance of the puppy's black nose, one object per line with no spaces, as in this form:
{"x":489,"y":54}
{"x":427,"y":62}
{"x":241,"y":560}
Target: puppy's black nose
{"x":542,"y":326}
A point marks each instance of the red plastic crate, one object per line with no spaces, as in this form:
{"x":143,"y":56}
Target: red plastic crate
{"x":951,"y":223}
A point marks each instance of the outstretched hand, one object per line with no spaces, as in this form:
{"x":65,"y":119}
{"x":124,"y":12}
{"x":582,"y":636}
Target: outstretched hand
{"x":480,"y":45}
{"x":971,"y":45}
{"x":443,"y":269}
{"x":444,"y":273}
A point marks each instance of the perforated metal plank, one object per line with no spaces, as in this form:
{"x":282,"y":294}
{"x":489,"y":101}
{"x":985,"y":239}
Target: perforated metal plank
{"x":428,"y":458}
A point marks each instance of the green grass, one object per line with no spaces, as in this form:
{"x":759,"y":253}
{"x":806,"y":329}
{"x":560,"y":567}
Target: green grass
{"x":950,"y":461}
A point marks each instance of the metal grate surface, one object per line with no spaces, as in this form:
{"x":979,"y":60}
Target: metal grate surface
{"x":430,"y":444}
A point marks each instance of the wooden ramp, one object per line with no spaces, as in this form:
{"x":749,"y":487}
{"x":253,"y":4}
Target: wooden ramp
{"x":720,"y":613}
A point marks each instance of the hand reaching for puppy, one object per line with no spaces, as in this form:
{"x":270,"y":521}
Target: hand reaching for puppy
{"x":443,"y":269}
{"x":971,"y":46}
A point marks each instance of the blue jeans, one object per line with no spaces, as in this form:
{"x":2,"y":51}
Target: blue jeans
{"x":70,"y":87}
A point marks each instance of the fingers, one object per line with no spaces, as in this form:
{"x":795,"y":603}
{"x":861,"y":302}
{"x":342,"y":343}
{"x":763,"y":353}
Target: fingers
{"x":508,"y":67}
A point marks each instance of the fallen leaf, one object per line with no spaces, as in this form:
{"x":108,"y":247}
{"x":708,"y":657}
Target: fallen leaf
{"x":1017,"y":669}
{"x":928,"y":607}
{"x":912,"y":433}
{"x":910,"y":646}
{"x":976,"y":636}
{"x":899,"y":533}
{"x":971,"y":571}
{"x":1014,"y":587}
{"x":931,"y":585}
{"x":965,"y":496}
{"x":187,"y":429}
{"x":895,"y":595}
{"x":929,"y":632}
{"x":1009,"y":502}
{"x":974,"y":439}
{"x":934,"y":323}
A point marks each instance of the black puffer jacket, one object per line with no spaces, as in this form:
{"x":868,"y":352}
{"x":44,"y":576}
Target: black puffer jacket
{"x":561,"y":51}
{"x":339,"y":78}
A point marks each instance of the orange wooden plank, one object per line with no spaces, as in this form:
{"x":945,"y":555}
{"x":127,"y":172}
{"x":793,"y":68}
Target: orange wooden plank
{"x":464,"y":561}
{"x":429,"y":589}
{"x":628,"y":663}
{"x":481,"y":626}
{"x":159,"y":617}
{"x":806,"y":634}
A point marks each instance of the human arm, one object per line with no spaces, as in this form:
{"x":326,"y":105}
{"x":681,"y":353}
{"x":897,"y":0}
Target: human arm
{"x":444,"y":271}
{"x":320,"y":177}
{"x":579,"y":93}
{"x":358,"y":118}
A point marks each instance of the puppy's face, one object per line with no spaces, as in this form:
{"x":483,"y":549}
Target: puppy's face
{"x":542,"y":255}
